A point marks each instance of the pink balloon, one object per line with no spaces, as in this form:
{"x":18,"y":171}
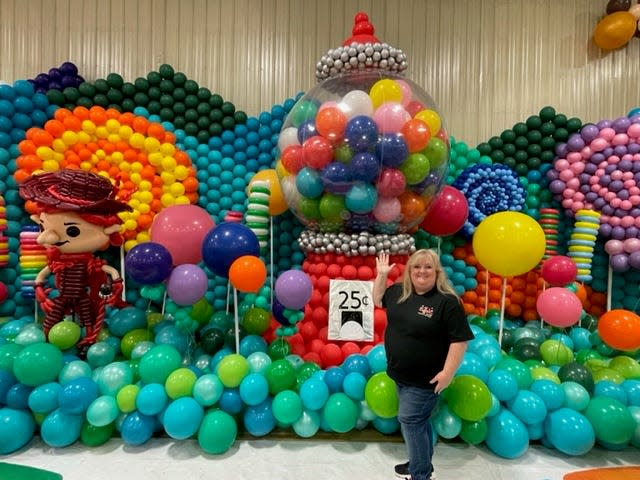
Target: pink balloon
{"x":387,"y":210}
{"x":181,"y":230}
{"x":559,"y":307}
{"x":447,"y":213}
{"x":390,"y":117}
{"x":559,"y":270}
{"x":613,"y":247}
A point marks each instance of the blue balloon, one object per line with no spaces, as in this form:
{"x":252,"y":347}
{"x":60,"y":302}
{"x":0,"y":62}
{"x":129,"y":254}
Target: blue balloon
{"x":17,"y":429}
{"x":182,"y":418}
{"x":361,"y":133}
{"x":61,"y":429}
{"x":569,"y":431}
{"x":148,"y":263}
{"x":18,"y":396}
{"x":259,"y":420}
{"x":333,"y":377}
{"x":392,"y":150}
{"x":507,"y":436}
{"x":7,"y":380}
{"x":137,"y":428}
{"x":357,"y":363}
{"x":231,"y":401}
{"x":365,"y":166}
{"x":336,"y":178}
{"x":44,"y":398}
{"x":227,"y":242}
{"x":76,"y":396}
{"x":306,"y":130}
{"x":151,"y":399}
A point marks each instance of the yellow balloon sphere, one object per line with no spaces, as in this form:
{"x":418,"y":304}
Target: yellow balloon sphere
{"x":431,"y":118}
{"x":508,"y":243}
{"x":277,"y":202}
{"x":385,"y":90}
{"x":615,"y":30}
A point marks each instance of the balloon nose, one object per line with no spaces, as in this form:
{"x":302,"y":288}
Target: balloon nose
{"x":48,"y":237}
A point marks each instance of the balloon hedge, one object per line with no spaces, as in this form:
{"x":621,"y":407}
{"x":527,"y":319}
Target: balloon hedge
{"x":239,"y":225}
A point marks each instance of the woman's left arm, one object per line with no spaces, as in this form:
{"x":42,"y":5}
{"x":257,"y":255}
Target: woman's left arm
{"x":451,"y":364}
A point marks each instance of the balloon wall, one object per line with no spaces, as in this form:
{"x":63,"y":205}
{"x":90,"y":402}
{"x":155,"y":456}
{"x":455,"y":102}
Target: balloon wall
{"x":226,"y":330}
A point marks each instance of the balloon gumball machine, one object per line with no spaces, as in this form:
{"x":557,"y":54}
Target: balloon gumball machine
{"x":362,"y":156}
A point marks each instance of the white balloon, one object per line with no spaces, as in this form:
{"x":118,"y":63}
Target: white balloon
{"x":288,"y":136}
{"x":355,"y":103}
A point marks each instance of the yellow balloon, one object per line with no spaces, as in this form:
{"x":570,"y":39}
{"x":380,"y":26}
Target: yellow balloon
{"x":615,"y":30}
{"x":508,"y":243}
{"x":277,"y":202}
{"x":385,"y":90}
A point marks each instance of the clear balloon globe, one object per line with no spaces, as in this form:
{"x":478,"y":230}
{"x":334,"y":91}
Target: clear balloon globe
{"x":363,"y":151}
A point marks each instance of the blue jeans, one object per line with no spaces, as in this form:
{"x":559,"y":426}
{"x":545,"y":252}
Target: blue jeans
{"x":415,"y":407}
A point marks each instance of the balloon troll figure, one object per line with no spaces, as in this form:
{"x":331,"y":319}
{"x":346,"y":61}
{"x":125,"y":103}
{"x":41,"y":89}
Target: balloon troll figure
{"x":78,"y":215}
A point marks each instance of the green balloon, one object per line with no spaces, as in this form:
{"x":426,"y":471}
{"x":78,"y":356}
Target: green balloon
{"x":574,"y":372}
{"x":93,"y":436}
{"x":64,"y":334}
{"x":304,"y":372}
{"x":309,"y":208}
{"x":212,"y":340}
{"x":158,"y":363}
{"x":611,"y":420}
{"x":332,"y":207}
{"x":474,"y":433}
{"x":415,"y":168}
{"x":8,"y":353}
{"x":278,"y":349}
{"x":217,"y":432}
{"x":232,"y":369}
{"x":340,"y":413}
{"x":607,"y":374}
{"x":256,"y":321}
{"x":280,"y":376}
{"x":37,"y":364}
{"x":555,"y":352}
{"x":469,"y":398}
{"x":436,"y":151}
{"x":626,"y":366}
{"x":302,"y":111}
{"x":518,"y":369}
{"x":132,"y":338}
{"x":180,"y":383}
{"x":287,"y":407}
{"x":381,"y":394}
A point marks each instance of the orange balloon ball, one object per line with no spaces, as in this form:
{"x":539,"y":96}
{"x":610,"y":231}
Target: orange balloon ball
{"x":248,"y":273}
{"x":416,"y":134}
{"x":615,"y":30}
{"x":330,"y":123}
{"x":412,"y":208}
{"x":620,"y":329}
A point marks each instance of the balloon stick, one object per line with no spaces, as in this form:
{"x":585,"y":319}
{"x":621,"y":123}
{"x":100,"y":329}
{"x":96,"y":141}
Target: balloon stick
{"x":271,"y":272}
{"x":502,"y":302}
{"x":228,"y":295}
{"x":237,"y":322}
{"x":122,"y":274}
{"x":609,"y":286}
{"x":486,"y":293}
{"x":439,"y":242}
{"x":164,"y":301}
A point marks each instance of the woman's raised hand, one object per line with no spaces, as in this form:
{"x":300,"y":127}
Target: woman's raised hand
{"x":382,"y":264}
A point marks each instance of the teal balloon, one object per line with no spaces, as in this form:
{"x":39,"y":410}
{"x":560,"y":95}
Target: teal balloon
{"x":507,"y":436}
{"x":17,"y":429}
{"x":217,"y":432}
{"x":569,"y":431}
{"x":287,"y":407}
{"x":158,"y":363}
{"x":61,"y":429}
{"x":446,"y":423}
{"x":611,"y":420}
{"x":307,"y":424}
{"x":37,"y":364}
{"x":44,"y":398}
{"x":100,"y":354}
{"x":208,"y":389}
{"x":340,"y":413}
{"x":102,"y":411}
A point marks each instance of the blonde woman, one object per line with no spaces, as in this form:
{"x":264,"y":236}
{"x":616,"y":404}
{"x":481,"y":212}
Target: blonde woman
{"x":425,"y":340}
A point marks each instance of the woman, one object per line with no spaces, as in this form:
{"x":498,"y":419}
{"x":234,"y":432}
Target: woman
{"x":425,"y":340}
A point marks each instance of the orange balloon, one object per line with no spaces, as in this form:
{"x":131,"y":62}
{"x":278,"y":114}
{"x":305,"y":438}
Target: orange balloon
{"x":615,"y":30}
{"x":248,"y":273}
{"x":417,"y":134}
{"x":412,"y":207}
{"x":620,"y":329}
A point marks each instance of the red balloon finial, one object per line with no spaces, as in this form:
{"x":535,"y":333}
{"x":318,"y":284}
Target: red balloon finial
{"x":362,"y":31}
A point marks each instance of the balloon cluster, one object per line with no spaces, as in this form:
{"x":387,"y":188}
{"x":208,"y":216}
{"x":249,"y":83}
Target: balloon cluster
{"x":488,"y":189}
{"x":363,"y":154}
{"x":60,"y":78}
{"x":166,"y":93}
{"x":353,"y":244}
{"x":618,"y":26}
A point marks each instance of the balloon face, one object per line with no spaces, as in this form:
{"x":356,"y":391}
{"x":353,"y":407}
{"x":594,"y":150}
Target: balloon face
{"x":357,"y":140}
{"x":508,"y":243}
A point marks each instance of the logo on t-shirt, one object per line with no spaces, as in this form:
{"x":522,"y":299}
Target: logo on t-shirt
{"x":425,"y":311}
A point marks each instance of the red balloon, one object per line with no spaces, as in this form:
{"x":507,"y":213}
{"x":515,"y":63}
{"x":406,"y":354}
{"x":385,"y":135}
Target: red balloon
{"x":559,"y":270}
{"x":447,"y":213}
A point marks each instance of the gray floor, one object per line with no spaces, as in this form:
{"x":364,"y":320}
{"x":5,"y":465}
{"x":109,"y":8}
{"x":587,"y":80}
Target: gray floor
{"x":163,"y":458}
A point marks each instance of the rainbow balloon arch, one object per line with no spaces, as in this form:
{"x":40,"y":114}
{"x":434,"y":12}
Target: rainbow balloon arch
{"x":240,"y":225}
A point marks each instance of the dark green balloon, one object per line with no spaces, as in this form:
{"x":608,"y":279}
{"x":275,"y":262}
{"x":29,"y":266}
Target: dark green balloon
{"x":114,"y":80}
{"x":574,"y":372}
{"x":278,"y":349}
{"x":166,"y":71}
{"x":93,"y":436}
{"x":212,"y":340}
{"x":280,"y":376}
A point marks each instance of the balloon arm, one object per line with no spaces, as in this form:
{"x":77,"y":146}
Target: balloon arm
{"x":502,"y":302}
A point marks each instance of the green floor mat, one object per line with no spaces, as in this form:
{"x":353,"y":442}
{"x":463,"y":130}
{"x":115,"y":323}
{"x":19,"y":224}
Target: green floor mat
{"x":9,"y":471}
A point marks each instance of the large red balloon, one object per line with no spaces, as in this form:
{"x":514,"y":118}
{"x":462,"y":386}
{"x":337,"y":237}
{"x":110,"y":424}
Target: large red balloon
{"x":447,"y":213}
{"x":559,"y":270}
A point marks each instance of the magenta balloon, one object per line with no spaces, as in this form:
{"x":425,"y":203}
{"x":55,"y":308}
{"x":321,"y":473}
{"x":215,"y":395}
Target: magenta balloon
{"x":559,"y":270}
{"x":559,"y":307}
{"x":293,"y":289}
{"x":447,"y":213}
{"x":187,"y":284}
{"x":181,"y":230}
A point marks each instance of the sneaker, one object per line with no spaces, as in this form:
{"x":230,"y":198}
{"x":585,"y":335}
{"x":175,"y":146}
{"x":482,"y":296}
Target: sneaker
{"x":402,"y":471}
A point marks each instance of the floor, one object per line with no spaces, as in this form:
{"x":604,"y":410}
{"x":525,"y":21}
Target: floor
{"x":289,"y":459}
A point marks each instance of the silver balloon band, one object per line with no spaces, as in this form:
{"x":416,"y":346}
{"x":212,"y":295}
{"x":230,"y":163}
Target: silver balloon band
{"x":354,"y":244}
{"x":358,"y":56}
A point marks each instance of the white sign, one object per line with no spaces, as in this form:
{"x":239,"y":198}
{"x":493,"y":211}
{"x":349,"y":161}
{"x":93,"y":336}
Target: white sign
{"x":350,"y":310}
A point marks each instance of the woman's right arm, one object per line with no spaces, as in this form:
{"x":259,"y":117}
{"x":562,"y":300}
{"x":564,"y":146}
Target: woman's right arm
{"x":380,"y":283}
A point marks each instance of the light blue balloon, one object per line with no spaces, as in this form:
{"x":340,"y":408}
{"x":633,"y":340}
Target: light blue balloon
{"x":446,"y":423}
{"x":74,"y":369}
{"x":17,"y":429}
{"x":113,"y":377}
{"x":182,"y":418}
{"x":152,"y":399}
{"x":607,"y":388}
{"x":44,"y":398}
{"x":308,"y":424}
{"x":254,"y":389}
{"x":472,"y":364}
{"x":528,"y":407}
{"x":550,"y":392}
{"x":386,"y":426}
{"x":569,"y":431}
{"x":502,"y":384}
{"x":208,"y":389}
{"x":61,"y":429}
{"x":507,"y":436}
{"x":258,"y":362}
{"x":576,"y":396}
{"x":137,"y":428}
{"x":100,"y":354}
{"x":76,"y":396}
{"x":632,"y":389}
{"x":377,"y":358}
{"x":314,"y":393}
{"x":353,"y":385}
{"x":102,"y":411}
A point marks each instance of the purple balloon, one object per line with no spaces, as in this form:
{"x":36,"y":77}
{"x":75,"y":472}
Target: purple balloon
{"x":55,"y":74}
{"x":148,"y":263}
{"x":605,"y":230}
{"x":552,"y":174}
{"x":616,"y":186}
{"x":306,"y":130}
{"x":607,"y":152}
{"x":610,"y":168}
{"x":591,"y":197}
{"x":604,"y":180}
{"x":68,"y":81}
{"x":187,"y":284}
{"x":606,"y":208}
{"x":634,"y":260}
{"x":278,"y":313}
{"x":631,"y":232}
{"x":575,"y":143}
{"x":596,"y":158}
{"x":293,"y":289}
{"x":603,"y":124}
{"x":635,"y":212}
{"x":619,"y":262}
{"x":590,"y":168}
{"x":69,"y":68}
{"x":617,"y":233}
{"x":557,"y":186}
{"x":589,"y":132}
{"x":633,"y":148}
{"x":621,"y":124}
{"x":623,"y":194}
{"x":562,"y":150}
{"x":625,"y":165}
{"x":620,"y":150}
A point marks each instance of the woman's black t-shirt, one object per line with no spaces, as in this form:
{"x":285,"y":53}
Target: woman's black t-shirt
{"x":419,"y":332}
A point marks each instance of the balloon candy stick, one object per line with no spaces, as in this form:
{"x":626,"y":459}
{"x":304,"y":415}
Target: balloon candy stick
{"x":549,"y":220}
{"x":257,"y":215}
{"x":583,"y":241}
